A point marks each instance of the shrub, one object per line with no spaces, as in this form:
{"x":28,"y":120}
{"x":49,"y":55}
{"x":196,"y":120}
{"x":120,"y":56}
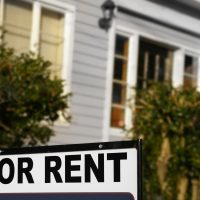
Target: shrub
{"x":168,"y":119}
{"x":29,"y":99}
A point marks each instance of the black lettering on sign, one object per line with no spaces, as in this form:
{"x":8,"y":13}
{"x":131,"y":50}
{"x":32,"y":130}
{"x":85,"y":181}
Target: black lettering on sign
{"x":90,"y":165}
{"x":69,"y":168}
{"x":52,"y":169}
{"x":117,"y":157}
{"x":25,"y":170}
{"x":9,"y":163}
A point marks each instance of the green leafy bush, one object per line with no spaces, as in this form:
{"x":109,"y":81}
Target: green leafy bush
{"x":29,"y":99}
{"x":168,"y":119}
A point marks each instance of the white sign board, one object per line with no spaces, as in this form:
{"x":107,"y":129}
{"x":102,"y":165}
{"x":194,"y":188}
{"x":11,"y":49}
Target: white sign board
{"x":69,"y":171}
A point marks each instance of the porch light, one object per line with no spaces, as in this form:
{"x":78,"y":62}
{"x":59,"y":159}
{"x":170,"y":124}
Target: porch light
{"x":108,"y":14}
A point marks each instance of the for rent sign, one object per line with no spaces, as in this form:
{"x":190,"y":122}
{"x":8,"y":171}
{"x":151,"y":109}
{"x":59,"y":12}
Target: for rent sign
{"x":109,"y":170}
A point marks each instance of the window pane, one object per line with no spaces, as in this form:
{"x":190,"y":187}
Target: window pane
{"x":161,"y":69}
{"x":120,"y":69}
{"x":154,"y":63}
{"x":190,"y":71}
{"x":121,"y":45}
{"x":119,"y":88}
{"x":119,"y":94}
{"x":117,"y":117}
{"x":17,"y":23}
{"x":51,"y":39}
{"x":151,"y":67}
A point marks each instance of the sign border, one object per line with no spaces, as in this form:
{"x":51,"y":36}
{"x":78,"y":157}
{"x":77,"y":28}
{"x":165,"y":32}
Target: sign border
{"x":86,"y":147}
{"x":71,"y":194}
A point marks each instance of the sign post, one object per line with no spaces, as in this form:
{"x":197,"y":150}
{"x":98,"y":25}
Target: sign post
{"x":109,"y":170}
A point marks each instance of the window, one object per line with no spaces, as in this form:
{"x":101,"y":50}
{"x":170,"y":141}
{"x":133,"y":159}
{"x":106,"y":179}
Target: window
{"x":154,"y":64}
{"x":17,"y":21}
{"x":119,"y":84}
{"x":51,"y":39}
{"x":190,"y":71}
{"x":39,"y":27}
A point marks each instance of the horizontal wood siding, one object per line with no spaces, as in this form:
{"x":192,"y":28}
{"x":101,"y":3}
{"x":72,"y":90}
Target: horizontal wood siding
{"x":85,"y":101}
{"x":90,"y":57}
{"x":89,"y":70}
{"x":87,"y":135}
{"x":86,"y":59}
{"x":83,"y":110}
{"x":87,"y":90}
{"x":85,"y":79}
{"x":88,"y":76}
{"x":91,"y":50}
{"x":82,"y":38}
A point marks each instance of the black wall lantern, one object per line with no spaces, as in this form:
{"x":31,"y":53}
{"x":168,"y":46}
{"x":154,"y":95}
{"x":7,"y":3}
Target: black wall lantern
{"x":108,"y":8}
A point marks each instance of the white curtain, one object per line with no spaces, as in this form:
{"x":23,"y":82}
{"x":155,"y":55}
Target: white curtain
{"x":17,"y":24}
{"x":51,"y":39}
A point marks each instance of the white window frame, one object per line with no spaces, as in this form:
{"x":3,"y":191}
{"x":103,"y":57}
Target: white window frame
{"x":69,"y":12}
{"x":131,"y":80}
{"x":134,"y":36}
{"x":193,"y":54}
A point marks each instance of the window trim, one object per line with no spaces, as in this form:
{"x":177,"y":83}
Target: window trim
{"x":193,"y":55}
{"x":180,"y":51}
{"x":131,"y":80}
{"x":132,"y":61}
{"x":123,"y":83}
{"x":69,"y":23}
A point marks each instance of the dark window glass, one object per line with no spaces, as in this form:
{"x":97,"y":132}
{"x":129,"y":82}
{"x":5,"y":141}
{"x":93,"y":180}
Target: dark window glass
{"x":119,"y":93}
{"x":154,"y":63}
{"x":190,"y":71}
{"x":119,"y":82}
{"x":121,"y":45}
{"x":120,"y":69}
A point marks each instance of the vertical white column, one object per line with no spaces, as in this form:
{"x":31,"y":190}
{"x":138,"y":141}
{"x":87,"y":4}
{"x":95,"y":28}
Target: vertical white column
{"x":35,"y":31}
{"x":178,"y":68}
{"x":108,"y":89}
{"x":131,"y":78}
{"x":68,"y":46}
{"x":198,"y":74}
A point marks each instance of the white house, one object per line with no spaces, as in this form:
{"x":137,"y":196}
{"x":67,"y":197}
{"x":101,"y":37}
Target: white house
{"x":147,"y":39}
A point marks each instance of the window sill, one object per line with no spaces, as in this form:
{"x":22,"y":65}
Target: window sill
{"x":117,"y":132}
{"x":62,"y":123}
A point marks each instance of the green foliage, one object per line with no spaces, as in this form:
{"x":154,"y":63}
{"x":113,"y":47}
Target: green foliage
{"x":162,"y":111}
{"x":29,"y":99}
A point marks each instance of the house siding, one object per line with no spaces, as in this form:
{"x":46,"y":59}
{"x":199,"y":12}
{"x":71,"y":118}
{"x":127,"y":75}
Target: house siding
{"x":89,"y":73}
{"x":169,"y":35}
{"x":87,"y":77}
